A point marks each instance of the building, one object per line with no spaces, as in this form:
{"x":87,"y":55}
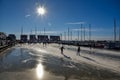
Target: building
{"x":23,"y":38}
{"x":33,"y":39}
{"x":11,"y":39}
{"x":54,"y":38}
{"x":2,"y":39}
{"x":43,"y":38}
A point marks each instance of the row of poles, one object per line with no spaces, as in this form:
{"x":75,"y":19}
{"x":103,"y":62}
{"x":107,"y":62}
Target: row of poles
{"x":69,"y":34}
{"x":81,"y":34}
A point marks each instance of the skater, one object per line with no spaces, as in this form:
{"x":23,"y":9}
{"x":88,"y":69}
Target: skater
{"x":44,"y":44}
{"x":62,"y":49}
{"x":78,"y":51}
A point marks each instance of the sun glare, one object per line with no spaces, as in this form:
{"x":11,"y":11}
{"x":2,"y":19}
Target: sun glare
{"x":39,"y":71}
{"x":41,"y":10}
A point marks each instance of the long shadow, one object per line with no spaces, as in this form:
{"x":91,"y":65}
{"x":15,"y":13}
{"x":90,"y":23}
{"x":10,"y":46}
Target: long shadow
{"x":98,"y":54}
{"x":102,"y":55}
{"x":89,"y":58}
{"x":66,"y":56}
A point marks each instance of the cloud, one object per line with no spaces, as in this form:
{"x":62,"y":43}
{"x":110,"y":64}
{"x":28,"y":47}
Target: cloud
{"x":79,"y":29}
{"x":74,"y":23}
{"x":40,"y":32}
{"x":49,"y":24}
{"x":28,"y":15}
{"x":47,"y":32}
{"x":86,"y":29}
{"x":105,"y":37}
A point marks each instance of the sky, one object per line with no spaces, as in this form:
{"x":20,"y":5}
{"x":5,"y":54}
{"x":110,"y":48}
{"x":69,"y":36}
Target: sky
{"x":60,"y":14}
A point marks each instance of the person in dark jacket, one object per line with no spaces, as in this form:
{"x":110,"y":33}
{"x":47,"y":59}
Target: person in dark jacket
{"x":78,"y":51}
{"x":62,"y":48}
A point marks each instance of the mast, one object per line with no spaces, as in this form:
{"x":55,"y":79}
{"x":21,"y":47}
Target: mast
{"x":84,"y":33}
{"x":119,"y":33}
{"x":78,"y":34}
{"x":81,"y":31}
{"x":31,"y":31}
{"x":21,"y":30}
{"x":71,"y":35}
{"x":89,"y":32}
{"x":44,"y":30}
{"x":68,"y":33}
{"x":61,"y":35}
{"x":114,"y":29}
{"x":35,"y":31}
{"x":90,"y":36}
{"x":64,"y":35}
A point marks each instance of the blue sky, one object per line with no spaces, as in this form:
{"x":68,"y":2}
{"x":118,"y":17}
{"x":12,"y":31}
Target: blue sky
{"x":60,"y":14}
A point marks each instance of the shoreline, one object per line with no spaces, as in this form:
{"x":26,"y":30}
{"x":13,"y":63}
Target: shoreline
{"x":4,"y":48}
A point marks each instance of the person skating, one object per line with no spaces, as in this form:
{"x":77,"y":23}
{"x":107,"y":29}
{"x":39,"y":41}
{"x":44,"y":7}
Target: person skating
{"x":62,"y":48}
{"x":78,"y":51}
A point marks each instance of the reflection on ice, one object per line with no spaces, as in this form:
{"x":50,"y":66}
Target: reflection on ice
{"x":21,"y":63}
{"x":39,"y":71}
{"x":40,"y":50}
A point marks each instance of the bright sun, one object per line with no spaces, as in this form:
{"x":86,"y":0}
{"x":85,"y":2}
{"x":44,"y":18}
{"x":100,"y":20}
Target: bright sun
{"x":41,"y":10}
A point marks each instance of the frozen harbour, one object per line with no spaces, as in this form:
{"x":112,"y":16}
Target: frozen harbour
{"x":35,"y":62}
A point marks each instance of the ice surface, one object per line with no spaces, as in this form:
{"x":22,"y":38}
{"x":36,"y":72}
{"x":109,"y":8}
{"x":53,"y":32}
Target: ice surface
{"x":98,"y":57}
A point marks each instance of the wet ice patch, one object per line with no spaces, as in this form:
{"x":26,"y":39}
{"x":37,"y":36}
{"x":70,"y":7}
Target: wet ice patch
{"x":40,"y":50}
{"x":26,"y":60}
{"x":33,"y":53}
